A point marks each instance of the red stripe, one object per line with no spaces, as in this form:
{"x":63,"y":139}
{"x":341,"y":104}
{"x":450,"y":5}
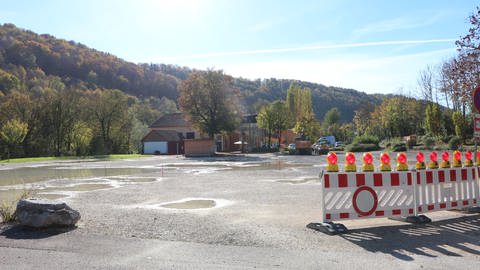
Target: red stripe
{"x":454,"y":204}
{"x":443,"y":205}
{"x":465,"y":202}
{"x":419,"y":209}
{"x":453,"y":175}
{"x":430,"y":207}
{"x":464,"y":174}
{"x":326,"y":179}
{"x":396,"y":212}
{"x":441,"y":176}
{"x":418,"y":178}
{"x":328,"y":216}
{"x":409,"y":176}
{"x":429,"y":178}
{"x":379,"y":213}
{"x":410,"y":211}
{"x":360,"y":179}
{"x":474,"y":201}
{"x":344,"y":215}
{"x":377,"y":179}
{"x":395,"y":179}
{"x":473,"y":172}
{"x":342,"y":180}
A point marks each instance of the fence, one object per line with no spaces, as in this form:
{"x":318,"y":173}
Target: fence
{"x":401,"y":194}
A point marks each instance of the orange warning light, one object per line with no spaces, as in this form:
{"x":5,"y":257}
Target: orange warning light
{"x":367,"y":165}
{"x":332,"y":162}
{"x":468,"y":159}
{"x":402,"y":162}
{"x":420,"y":165}
{"x":350,"y":162}
{"x":445,"y":160}
{"x":385,"y":162}
{"x":433,"y":161}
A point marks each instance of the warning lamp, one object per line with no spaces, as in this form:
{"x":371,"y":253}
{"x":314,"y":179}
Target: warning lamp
{"x":332,"y":162}
{"x":433,"y":161}
{"x":445,"y":160}
{"x":402,"y":162}
{"x":385,"y":162}
{"x":350,"y":162}
{"x":457,"y":159}
{"x":468,"y":159}
{"x":420,"y":165}
{"x":367,"y":165}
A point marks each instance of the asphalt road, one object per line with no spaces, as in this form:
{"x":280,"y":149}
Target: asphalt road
{"x":263,"y":203}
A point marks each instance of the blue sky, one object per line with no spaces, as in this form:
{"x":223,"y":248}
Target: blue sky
{"x":372,"y":46}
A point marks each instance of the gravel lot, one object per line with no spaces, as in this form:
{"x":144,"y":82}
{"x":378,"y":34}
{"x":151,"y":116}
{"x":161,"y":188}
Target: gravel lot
{"x":262,"y":204}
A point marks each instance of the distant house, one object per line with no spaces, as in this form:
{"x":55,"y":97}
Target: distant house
{"x":248,"y":132}
{"x":167,"y":135}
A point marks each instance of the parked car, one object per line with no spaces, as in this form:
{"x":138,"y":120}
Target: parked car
{"x":291,"y":148}
{"x":339,"y":144}
{"x":321,"y":147}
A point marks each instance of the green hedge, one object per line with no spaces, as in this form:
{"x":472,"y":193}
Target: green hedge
{"x":362,"y":147}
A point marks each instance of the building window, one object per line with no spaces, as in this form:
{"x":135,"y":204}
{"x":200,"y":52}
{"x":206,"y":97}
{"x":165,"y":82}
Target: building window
{"x":190,"y":135}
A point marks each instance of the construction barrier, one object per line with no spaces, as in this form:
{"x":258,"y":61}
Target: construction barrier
{"x":446,"y":189}
{"x":402,"y":194}
{"x":367,"y":195}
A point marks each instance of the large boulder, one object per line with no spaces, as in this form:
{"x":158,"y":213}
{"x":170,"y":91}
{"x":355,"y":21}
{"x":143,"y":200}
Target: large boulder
{"x":41,"y":213}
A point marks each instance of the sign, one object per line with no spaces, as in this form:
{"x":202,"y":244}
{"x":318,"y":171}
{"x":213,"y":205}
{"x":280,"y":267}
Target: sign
{"x":476,"y":127}
{"x":476,"y":99}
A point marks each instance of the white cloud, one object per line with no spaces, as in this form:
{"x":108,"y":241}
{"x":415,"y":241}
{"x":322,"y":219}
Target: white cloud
{"x":306,"y":48}
{"x":399,"y":23}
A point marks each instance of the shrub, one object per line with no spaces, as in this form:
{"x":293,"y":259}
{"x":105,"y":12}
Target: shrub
{"x":398,"y":146}
{"x":366,"y":139}
{"x":411,"y":143}
{"x":428,"y":142}
{"x":8,"y":210}
{"x":361,"y":147}
{"x":454,"y":143}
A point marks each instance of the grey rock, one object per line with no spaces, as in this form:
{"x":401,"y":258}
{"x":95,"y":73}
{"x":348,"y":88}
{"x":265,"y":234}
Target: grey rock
{"x":40,"y":213}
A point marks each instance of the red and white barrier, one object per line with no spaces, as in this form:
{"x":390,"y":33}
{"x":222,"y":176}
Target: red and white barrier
{"x":367,"y":195}
{"x":357,"y":195}
{"x":445,"y":189}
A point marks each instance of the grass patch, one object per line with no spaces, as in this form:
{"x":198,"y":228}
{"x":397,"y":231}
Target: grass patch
{"x":38,"y":159}
{"x":8,"y":209}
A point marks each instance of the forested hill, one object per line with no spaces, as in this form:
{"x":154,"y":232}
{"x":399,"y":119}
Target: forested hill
{"x":24,"y":53}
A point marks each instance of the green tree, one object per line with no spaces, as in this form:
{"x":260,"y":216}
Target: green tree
{"x":433,"y":120}
{"x":209,"y":102}
{"x":81,"y":136}
{"x":462,"y":126}
{"x":281,"y":118}
{"x":266,"y":120}
{"x":107,"y":109}
{"x":332,"y":117}
{"x":13,"y":133}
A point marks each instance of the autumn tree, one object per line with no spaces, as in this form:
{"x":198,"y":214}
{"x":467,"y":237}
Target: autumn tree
{"x":209,"y":101}
{"x":265,"y":120}
{"x":13,"y":133}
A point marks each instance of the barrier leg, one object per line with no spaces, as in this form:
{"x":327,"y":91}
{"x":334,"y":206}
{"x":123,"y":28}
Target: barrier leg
{"x":415,"y":218}
{"x":328,"y":227}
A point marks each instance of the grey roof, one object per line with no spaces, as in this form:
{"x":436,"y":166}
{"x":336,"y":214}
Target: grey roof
{"x":162,"y":136}
{"x":171,"y":120}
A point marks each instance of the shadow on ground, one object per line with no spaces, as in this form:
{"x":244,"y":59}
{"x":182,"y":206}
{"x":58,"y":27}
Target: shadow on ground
{"x":454,"y":237}
{"x":22,"y":232}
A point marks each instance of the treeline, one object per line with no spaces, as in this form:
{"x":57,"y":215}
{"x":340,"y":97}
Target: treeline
{"x":41,"y":116}
{"x":79,"y":65}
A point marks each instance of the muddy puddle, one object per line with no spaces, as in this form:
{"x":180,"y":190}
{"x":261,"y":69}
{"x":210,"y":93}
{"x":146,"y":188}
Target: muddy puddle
{"x":39,"y":174}
{"x":190,"y":204}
